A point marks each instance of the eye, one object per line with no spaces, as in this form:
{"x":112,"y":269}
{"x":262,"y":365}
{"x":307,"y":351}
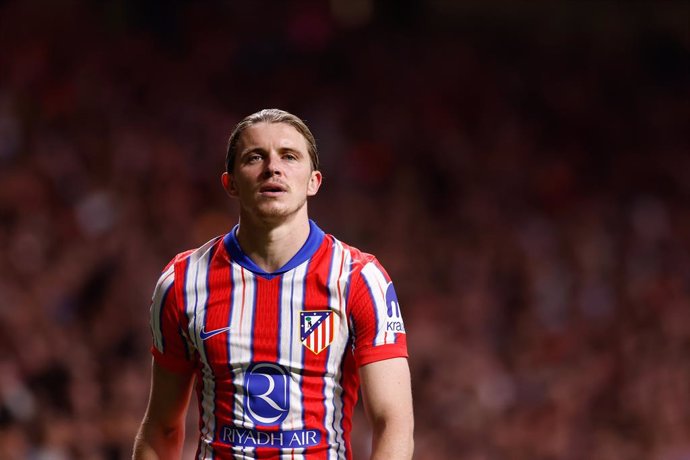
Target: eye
{"x":252,"y":158}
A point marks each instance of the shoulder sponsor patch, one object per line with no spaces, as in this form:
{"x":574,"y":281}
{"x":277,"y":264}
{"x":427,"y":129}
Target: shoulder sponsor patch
{"x":394,"y":322}
{"x":316,"y":329}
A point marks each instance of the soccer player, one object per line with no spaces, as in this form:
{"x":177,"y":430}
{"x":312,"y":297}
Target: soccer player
{"x":277,"y":322}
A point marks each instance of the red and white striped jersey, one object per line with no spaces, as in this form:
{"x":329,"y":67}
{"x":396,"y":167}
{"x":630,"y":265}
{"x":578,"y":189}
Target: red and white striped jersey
{"x":275,"y":354}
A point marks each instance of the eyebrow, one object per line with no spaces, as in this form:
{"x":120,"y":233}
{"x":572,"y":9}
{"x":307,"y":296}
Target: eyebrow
{"x":252,"y":150}
{"x":258,"y":149}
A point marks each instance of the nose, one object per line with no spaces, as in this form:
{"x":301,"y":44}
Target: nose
{"x":272,"y":165}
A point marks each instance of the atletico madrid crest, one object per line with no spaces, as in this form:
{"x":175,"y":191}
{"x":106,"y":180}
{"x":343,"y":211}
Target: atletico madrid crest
{"x":316,"y":329}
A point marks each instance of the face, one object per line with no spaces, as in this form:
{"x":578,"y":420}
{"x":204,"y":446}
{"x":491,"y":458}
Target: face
{"x":272,"y":175}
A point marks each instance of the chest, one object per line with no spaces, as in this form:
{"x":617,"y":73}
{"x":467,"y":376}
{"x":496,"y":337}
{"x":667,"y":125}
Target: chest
{"x":296,"y":319}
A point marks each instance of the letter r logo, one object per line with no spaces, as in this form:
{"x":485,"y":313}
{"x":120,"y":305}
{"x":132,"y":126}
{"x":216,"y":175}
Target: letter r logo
{"x":267,"y":393}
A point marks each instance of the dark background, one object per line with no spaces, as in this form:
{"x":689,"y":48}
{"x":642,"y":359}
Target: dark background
{"x":522,"y":169}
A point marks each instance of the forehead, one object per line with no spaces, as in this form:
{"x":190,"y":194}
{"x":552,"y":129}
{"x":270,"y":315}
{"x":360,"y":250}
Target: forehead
{"x":267,"y":135}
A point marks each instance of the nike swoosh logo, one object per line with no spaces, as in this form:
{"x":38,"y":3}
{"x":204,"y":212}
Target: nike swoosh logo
{"x":207,"y":335}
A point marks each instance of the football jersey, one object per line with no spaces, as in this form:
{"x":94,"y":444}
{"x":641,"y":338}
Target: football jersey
{"x":275,"y":354}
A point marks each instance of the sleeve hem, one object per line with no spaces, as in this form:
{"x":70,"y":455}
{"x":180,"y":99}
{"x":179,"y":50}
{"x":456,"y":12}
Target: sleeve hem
{"x":171,"y":364}
{"x":380,"y":353}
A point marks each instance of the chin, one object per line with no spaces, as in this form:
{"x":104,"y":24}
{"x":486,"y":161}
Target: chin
{"x":273,"y":211}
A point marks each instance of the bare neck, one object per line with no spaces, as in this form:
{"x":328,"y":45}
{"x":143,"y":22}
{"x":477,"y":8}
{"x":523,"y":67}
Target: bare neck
{"x":271,"y":246}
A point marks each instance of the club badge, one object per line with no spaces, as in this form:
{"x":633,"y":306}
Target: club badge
{"x":316,"y":329}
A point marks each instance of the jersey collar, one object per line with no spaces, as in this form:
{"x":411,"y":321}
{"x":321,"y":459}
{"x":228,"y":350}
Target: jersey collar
{"x":307,"y":250}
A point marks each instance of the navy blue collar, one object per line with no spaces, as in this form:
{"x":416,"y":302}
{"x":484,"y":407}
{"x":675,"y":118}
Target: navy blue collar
{"x":307,"y":250}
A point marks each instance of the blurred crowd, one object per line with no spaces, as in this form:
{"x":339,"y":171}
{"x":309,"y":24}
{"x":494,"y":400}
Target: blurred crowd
{"x":523,"y":173}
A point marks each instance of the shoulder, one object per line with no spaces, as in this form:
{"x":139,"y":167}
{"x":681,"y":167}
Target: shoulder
{"x":358,"y":258}
{"x":192,"y":256}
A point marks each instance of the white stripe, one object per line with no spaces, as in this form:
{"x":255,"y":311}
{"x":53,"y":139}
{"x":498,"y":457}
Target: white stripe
{"x":378,"y":284}
{"x":337,"y":285}
{"x":196,"y":290}
{"x":240,"y":341}
{"x":318,"y":338}
{"x":291,"y":349}
{"x":164,"y":282}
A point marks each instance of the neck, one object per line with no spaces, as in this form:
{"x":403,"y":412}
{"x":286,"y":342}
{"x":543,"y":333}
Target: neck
{"x":271,"y":245}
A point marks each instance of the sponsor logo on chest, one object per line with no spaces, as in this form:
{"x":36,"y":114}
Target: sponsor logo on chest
{"x":267,"y":403}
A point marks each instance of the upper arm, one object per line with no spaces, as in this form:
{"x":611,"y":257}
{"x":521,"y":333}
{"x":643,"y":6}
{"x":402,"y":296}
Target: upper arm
{"x":161,"y":434}
{"x":386,"y":392}
{"x":169,"y":397}
{"x":380,"y":347}
{"x":388,"y":403}
{"x":376,"y":317}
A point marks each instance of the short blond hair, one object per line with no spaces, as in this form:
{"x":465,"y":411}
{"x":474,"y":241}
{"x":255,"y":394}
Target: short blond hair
{"x":271,"y":116}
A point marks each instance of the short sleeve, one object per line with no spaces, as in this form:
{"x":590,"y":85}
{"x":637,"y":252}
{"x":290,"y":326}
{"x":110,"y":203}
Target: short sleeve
{"x":375,"y":315}
{"x":170,"y":349}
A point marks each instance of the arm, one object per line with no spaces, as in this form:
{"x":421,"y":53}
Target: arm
{"x":387,"y":399}
{"x":161,"y":434}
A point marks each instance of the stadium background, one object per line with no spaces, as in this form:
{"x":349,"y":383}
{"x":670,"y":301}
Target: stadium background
{"x":521,"y":169}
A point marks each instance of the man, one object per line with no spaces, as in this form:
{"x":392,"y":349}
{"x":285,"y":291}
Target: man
{"x":278,"y":322}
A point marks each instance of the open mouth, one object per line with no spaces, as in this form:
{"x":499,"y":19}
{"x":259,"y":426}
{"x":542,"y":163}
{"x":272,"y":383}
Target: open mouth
{"x":272,"y":189}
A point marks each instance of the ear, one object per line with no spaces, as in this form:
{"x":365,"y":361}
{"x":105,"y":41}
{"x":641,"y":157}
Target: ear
{"x":228,"y":184}
{"x":314,"y":183}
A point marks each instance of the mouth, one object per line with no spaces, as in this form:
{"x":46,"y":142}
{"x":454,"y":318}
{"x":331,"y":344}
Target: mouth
{"x":272,"y":189}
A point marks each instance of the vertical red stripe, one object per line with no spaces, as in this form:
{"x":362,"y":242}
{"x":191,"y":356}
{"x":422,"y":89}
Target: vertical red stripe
{"x":266,"y":319}
{"x":173,"y":317}
{"x":350,"y":394}
{"x":316,"y":298}
{"x":220,"y":289}
{"x":244,"y":294}
{"x":265,"y":336}
{"x":363,"y":311}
